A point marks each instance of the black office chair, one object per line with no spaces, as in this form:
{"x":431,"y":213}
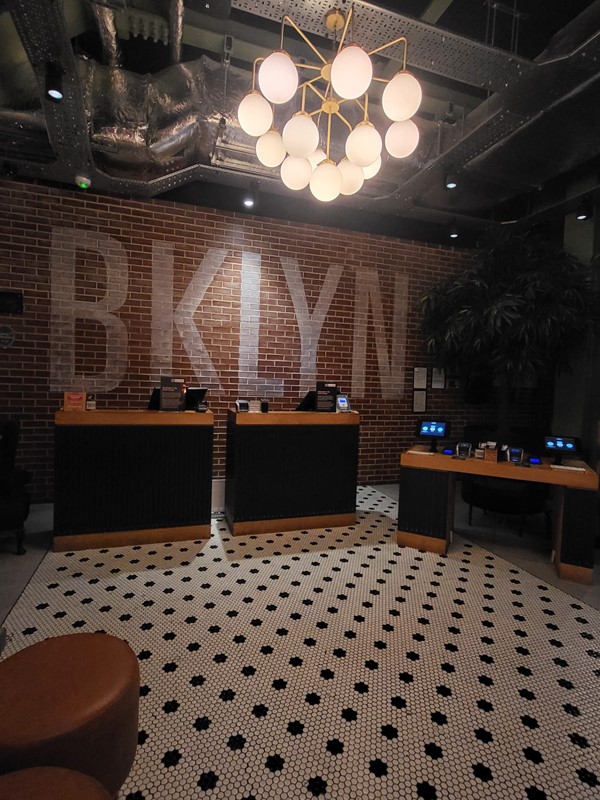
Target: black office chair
{"x":509,"y":496}
{"x":14,"y":498}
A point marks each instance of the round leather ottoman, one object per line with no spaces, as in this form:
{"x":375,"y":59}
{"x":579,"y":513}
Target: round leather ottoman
{"x":50,"y":783}
{"x":71,"y":702}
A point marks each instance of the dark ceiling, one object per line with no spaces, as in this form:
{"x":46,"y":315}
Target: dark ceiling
{"x":151,"y":87}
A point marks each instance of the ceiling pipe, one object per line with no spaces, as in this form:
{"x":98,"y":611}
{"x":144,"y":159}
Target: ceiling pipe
{"x":107,"y":29}
{"x":175,"y":29}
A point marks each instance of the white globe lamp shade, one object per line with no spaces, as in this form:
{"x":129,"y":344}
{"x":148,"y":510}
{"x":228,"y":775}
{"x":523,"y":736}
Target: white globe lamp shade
{"x":326,"y":182}
{"x":402,"y":97}
{"x":296,"y":172}
{"x":255,"y":115}
{"x":278,"y":77}
{"x":352,"y":177}
{"x":372,"y":169}
{"x":316,"y":157}
{"x":351,"y":72}
{"x":300,"y":135}
{"x":270,"y":149}
{"x":363,"y":145}
{"x":402,"y":138}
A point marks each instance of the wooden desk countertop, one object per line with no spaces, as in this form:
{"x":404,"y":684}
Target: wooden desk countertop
{"x":133,"y":417}
{"x":542,"y":473}
{"x":294,"y":417}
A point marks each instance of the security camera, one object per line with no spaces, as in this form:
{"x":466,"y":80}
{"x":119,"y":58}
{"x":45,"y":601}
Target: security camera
{"x":83,"y":181}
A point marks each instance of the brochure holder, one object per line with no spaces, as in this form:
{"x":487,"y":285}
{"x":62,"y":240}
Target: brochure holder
{"x":171,"y":394}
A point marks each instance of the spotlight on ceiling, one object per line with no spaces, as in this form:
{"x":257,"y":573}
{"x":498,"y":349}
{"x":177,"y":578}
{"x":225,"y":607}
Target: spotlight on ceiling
{"x":54,"y":76}
{"x":454,"y":232}
{"x":451,"y":181}
{"x":584,"y":210}
{"x":249,"y":198}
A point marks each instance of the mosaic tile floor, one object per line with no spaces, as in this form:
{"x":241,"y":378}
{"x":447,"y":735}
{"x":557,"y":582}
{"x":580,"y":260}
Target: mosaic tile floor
{"x":335,"y":664}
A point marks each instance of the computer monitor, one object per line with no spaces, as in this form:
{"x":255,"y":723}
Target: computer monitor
{"x":559,"y":446}
{"x":433,"y":430}
{"x":154,"y":402}
{"x":308,"y":402}
{"x":194,"y":396}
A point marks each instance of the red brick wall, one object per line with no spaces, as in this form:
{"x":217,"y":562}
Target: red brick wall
{"x":118,"y":258}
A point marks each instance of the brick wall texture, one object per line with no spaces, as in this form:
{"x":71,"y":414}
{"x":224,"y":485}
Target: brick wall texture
{"x":119,"y":291}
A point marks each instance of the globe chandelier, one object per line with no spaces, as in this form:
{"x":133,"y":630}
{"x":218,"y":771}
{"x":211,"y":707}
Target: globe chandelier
{"x":303,"y":148}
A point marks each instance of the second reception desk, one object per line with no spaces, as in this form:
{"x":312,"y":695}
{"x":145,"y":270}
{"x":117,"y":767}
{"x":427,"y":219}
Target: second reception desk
{"x":290,"y":469}
{"x":426,"y":505}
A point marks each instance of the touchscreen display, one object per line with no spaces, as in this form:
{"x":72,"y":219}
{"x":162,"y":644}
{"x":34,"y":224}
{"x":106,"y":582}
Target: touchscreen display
{"x":432,"y":428}
{"x":560,"y":444}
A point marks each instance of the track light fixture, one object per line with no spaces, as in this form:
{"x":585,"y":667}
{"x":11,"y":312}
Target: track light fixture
{"x":584,"y":210}
{"x":249,"y":197}
{"x":54,"y":76}
{"x":451,"y":181}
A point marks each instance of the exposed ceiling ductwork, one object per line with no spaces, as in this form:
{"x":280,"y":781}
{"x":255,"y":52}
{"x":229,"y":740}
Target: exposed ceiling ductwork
{"x":151,"y":90}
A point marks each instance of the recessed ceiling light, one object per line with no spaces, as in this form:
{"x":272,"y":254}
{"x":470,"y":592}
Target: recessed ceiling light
{"x":584,"y":211}
{"x":54,"y":90}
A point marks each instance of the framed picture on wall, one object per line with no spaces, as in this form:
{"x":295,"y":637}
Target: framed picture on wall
{"x":419,"y":401}
{"x":438,"y":378}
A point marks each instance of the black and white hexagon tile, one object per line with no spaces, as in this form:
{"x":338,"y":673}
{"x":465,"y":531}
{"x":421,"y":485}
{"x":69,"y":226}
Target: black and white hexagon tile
{"x":335,"y":664}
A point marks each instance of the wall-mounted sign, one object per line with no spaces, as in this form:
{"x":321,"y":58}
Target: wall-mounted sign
{"x":7,"y":336}
{"x":420,"y":378}
{"x":438,"y":378}
{"x":11,"y":302}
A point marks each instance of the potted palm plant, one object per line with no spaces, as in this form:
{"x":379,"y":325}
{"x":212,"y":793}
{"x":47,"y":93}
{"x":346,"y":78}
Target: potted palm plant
{"x":517,"y":312}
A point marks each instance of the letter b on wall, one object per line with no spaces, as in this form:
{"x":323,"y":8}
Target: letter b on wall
{"x":66,"y":309}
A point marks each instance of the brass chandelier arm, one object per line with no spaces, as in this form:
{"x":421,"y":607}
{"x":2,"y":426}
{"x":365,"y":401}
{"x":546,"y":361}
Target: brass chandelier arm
{"x":402,"y":39}
{"x":364,"y":107}
{"x":256,"y":60}
{"x":291,"y":22}
{"x":345,"y":31}
{"x":344,"y":120}
{"x":316,"y":91}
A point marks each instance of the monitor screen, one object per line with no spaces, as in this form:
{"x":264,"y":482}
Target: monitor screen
{"x":154,"y":402}
{"x":559,"y":446}
{"x":308,"y":402}
{"x":194,"y":395}
{"x":433,"y":430}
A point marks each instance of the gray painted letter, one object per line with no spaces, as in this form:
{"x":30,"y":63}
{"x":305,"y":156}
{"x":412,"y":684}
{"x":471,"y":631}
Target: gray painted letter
{"x":184,"y":318}
{"x":310,"y":325}
{"x":391,"y":375}
{"x":65,"y":309}
{"x":249,"y":382}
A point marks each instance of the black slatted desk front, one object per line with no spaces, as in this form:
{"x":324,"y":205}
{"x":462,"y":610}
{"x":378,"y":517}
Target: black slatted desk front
{"x":128,"y":477}
{"x":291,"y":469}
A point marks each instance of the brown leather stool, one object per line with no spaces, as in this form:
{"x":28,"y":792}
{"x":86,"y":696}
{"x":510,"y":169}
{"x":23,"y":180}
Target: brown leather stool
{"x":50,"y":783}
{"x":71,"y":702}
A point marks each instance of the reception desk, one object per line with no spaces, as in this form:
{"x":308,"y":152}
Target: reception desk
{"x":129,"y":477}
{"x":426,"y":505}
{"x":290,"y":469}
